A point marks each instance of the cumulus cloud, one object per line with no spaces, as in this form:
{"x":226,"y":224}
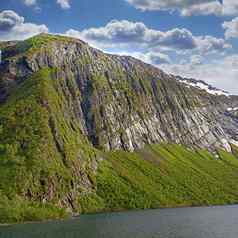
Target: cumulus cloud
{"x":165,"y":4}
{"x":64,"y":4}
{"x":222,"y":73}
{"x":178,"y":39}
{"x":190,"y":7}
{"x":231,"y":28}
{"x":155,"y":58}
{"x":196,"y":59}
{"x":13,"y":27}
{"x":203,"y":9}
{"x":211,"y":44}
{"x":30,"y":2}
{"x":9,"y":19}
{"x":136,"y":35}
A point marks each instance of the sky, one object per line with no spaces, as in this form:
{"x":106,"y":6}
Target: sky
{"x":191,"y":38}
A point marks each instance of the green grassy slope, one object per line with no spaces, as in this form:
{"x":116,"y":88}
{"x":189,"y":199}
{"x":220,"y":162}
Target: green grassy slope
{"x":41,"y":154}
{"x":166,"y":176}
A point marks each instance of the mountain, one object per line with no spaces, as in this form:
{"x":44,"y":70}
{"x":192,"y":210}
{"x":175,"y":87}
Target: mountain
{"x":81,"y":131}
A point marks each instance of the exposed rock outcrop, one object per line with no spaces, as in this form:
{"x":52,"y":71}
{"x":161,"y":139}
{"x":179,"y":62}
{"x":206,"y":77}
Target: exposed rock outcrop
{"x":120,"y":102}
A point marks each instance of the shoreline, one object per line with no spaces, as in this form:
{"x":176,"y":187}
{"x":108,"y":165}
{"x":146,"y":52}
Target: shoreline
{"x":114,"y":211}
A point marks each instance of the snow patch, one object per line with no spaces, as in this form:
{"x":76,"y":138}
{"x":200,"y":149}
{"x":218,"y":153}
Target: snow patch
{"x":203,"y":86}
{"x":226,"y":145}
{"x":234,"y":142}
{"x":231,"y":109}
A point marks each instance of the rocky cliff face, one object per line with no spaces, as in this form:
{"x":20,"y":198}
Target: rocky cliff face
{"x":120,"y":102}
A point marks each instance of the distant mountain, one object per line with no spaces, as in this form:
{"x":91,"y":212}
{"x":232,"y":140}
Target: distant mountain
{"x":64,"y":107}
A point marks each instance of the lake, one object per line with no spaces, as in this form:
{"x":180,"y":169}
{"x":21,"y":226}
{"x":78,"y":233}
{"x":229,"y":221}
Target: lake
{"x":200,"y":222}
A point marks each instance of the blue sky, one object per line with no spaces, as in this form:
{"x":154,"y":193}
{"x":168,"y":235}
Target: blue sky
{"x":193,"y":38}
{"x":93,"y":13}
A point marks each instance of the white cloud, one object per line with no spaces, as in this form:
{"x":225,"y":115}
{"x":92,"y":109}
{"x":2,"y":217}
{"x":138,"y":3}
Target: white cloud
{"x":13,"y":27}
{"x":196,"y":59}
{"x":230,"y":7}
{"x":189,"y":7}
{"x":222,"y":73}
{"x":165,"y":4}
{"x":203,"y":9}
{"x":126,"y":35}
{"x":231,"y":28}
{"x":30,"y":2}
{"x":9,"y":19}
{"x":155,"y":58}
{"x":64,"y":4}
{"x":210,"y":44}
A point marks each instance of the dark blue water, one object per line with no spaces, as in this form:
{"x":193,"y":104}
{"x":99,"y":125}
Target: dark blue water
{"x":210,"y":222}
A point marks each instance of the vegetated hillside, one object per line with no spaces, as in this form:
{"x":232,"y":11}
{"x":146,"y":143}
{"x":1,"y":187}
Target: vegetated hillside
{"x":65,"y":106}
{"x":166,"y":175}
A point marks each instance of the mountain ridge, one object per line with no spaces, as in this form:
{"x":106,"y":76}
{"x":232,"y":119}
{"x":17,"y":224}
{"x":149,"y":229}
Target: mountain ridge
{"x":125,"y":66}
{"x":73,"y":119}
